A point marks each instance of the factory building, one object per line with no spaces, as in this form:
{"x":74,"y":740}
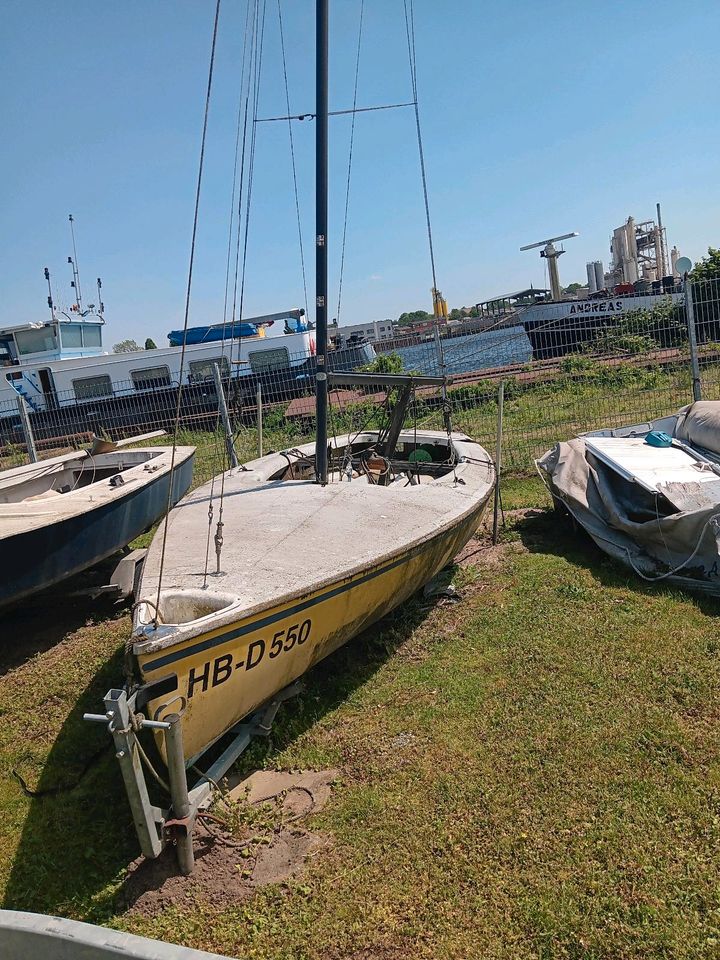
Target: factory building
{"x":371,"y":330}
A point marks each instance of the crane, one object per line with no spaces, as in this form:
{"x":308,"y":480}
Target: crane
{"x":551,"y":255}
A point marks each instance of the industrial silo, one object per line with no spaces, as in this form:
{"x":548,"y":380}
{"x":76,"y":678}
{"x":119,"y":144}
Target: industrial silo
{"x":599,"y":275}
{"x":592,"y":281}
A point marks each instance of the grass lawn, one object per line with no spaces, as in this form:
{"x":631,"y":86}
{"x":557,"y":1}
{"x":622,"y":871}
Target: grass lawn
{"x":530,"y":773}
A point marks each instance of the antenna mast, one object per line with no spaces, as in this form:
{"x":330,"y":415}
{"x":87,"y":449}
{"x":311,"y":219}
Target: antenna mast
{"x":550,"y":254}
{"x":51,"y":302}
{"x":75,"y":284}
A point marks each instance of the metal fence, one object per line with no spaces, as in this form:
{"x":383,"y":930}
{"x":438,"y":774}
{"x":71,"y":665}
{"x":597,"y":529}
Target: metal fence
{"x":603,"y":363}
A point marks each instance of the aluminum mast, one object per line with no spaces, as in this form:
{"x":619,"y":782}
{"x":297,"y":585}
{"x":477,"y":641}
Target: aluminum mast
{"x":321,"y":212}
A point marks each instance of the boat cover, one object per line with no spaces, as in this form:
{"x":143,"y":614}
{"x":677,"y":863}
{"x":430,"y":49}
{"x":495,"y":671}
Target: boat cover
{"x":699,"y":424}
{"x":667,"y":529}
{"x":209,"y":334}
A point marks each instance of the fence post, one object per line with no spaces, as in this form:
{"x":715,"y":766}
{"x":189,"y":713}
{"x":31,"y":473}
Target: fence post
{"x":498,"y":459}
{"x":692,"y":338}
{"x":27,"y":430}
{"x":258,"y":402}
{"x":232,"y":456}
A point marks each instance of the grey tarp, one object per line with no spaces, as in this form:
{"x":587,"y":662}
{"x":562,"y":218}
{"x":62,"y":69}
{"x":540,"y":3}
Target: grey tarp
{"x":629,"y":523}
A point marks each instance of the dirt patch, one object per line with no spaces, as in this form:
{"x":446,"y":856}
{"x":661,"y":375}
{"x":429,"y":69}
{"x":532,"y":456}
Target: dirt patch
{"x":226,"y":871}
{"x":481,"y":551}
{"x":154,"y":885}
{"x":262,"y":842}
{"x":298,"y":794}
{"x":286,"y":857}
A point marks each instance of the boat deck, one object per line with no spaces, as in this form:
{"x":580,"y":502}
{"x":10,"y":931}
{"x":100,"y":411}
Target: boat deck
{"x":273,"y":528}
{"x":687,"y":483}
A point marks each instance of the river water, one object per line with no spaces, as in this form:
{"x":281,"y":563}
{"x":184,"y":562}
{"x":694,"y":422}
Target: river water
{"x":476,"y":351}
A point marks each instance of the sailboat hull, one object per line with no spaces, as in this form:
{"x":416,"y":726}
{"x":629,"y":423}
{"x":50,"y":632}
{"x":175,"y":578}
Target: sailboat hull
{"x":229,"y":660}
{"x":224,"y":675}
{"x":45,"y":540}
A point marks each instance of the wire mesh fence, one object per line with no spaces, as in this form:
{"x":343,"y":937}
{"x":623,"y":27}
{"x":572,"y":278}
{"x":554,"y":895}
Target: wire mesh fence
{"x":566,"y":368}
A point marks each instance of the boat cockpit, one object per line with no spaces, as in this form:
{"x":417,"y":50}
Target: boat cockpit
{"x":48,"y":479}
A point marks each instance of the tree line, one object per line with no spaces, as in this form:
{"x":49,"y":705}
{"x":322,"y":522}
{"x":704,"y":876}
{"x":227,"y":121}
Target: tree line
{"x":422,"y":316}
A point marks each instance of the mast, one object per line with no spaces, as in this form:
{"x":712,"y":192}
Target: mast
{"x":321,"y":212}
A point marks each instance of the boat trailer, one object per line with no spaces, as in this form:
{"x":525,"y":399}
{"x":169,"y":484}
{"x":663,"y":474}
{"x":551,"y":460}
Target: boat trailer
{"x":158,"y":827}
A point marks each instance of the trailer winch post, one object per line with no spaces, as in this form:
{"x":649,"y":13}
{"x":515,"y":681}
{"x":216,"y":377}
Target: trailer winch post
{"x":158,"y":827}
{"x":181,"y":826}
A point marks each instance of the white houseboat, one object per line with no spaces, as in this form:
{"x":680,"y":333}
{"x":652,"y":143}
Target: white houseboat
{"x":60,"y":370}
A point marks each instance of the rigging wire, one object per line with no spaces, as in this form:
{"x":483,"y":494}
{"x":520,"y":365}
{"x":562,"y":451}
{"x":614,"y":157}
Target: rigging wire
{"x":238,"y":305}
{"x":350,"y":156}
{"x":243,"y":154}
{"x":292,"y":156}
{"x":410,"y":35}
{"x":217,"y":456}
{"x":187,"y":305}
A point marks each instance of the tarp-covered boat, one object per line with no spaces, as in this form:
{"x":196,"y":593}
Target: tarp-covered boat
{"x":648,"y":494}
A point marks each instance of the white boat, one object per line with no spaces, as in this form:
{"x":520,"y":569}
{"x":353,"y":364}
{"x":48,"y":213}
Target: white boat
{"x":65,"y":514}
{"x":66,"y":380}
{"x":648,"y":494}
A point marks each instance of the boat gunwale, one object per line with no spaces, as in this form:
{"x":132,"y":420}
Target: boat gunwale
{"x":80,"y":501}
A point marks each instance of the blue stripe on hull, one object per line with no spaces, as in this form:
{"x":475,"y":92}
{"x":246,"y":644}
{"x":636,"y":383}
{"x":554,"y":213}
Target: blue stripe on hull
{"x":273,"y":618}
{"x":40,"y":558}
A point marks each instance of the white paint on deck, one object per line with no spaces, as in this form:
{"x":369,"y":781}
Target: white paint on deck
{"x":285,"y":539}
{"x":649,"y":466}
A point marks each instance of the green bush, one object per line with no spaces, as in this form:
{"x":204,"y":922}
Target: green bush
{"x":385,"y":363}
{"x":642,"y":331}
{"x":622,"y":341}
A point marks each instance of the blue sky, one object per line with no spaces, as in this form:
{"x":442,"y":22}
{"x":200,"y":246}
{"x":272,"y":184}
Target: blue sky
{"x":538,"y":119}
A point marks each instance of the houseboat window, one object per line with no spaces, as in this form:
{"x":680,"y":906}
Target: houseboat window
{"x":90,"y":387}
{"x":201,"y":370}
{"x":6,"y":357}
{"x":262,"y":360}
{"x":35,"y":341}
{"x":79,"y":335}
{"x":71,"y":335}
{"x":150,"y":377}
{"x":91,"y":335}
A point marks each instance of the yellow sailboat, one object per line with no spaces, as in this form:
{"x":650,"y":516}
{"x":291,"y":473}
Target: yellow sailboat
{"x":311,"y":546}
{"x":308,"y":567}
